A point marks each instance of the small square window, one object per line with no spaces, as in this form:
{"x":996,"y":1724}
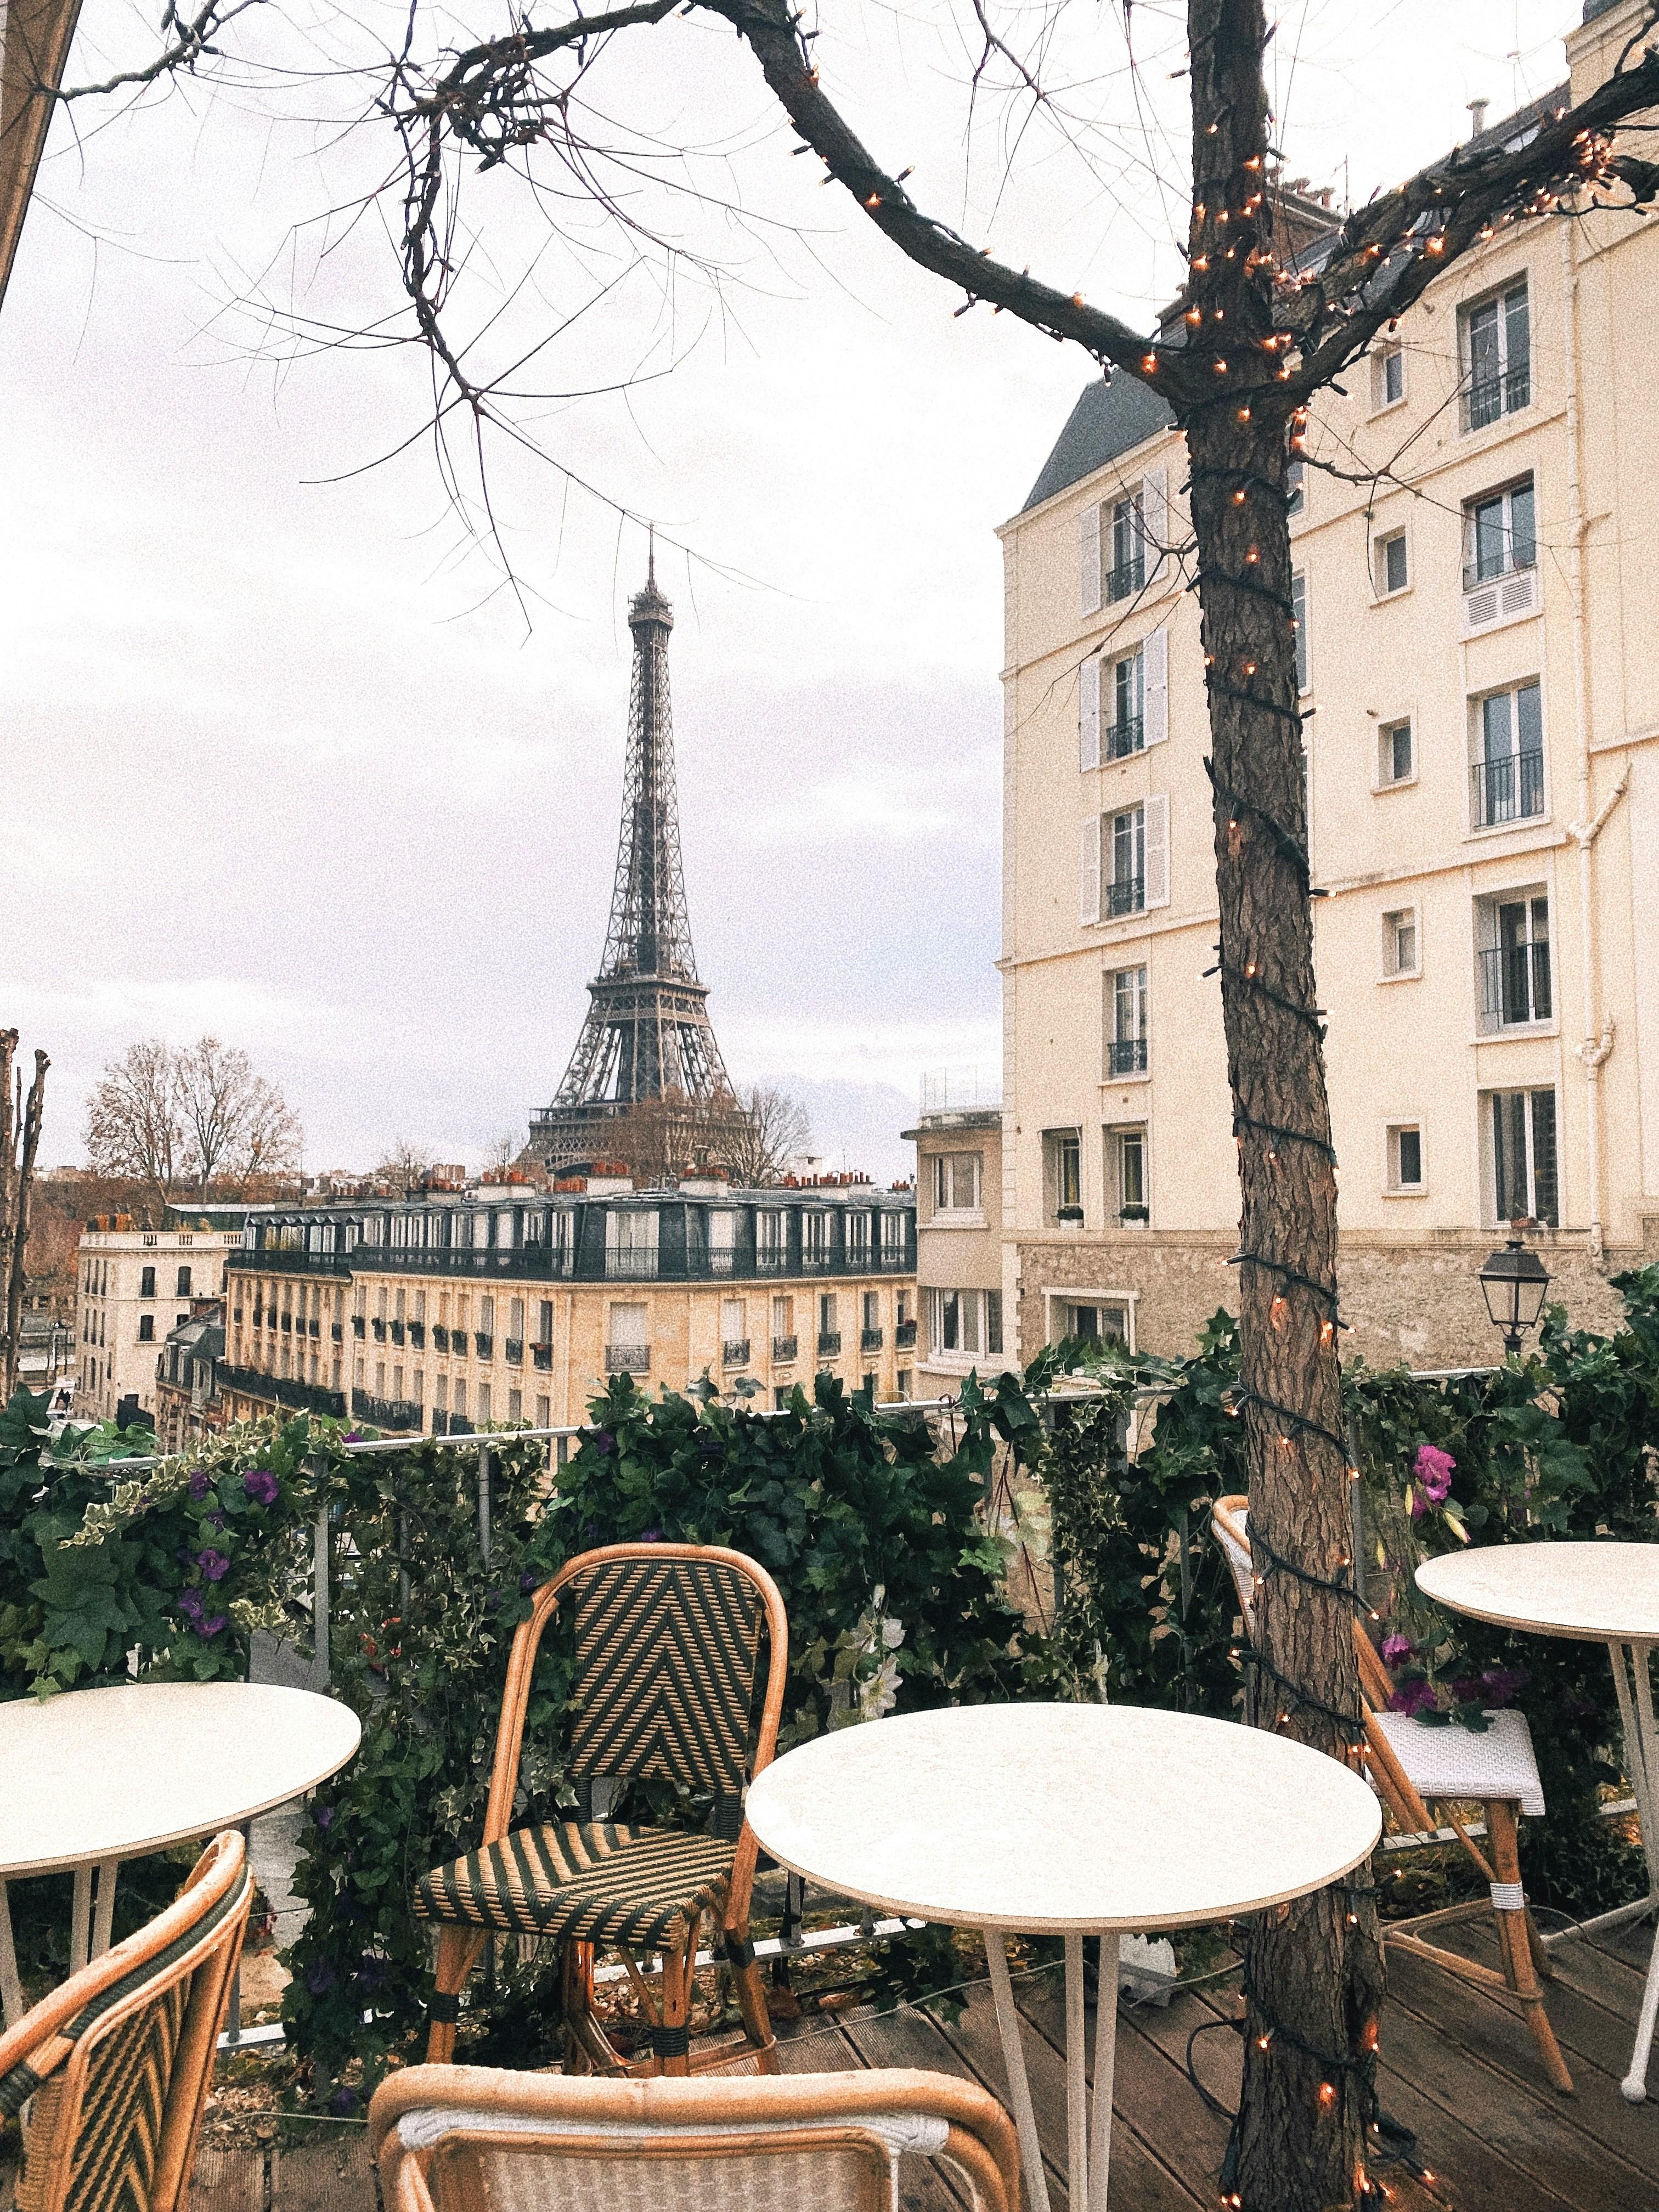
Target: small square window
{"x":1400,"y":942}
{"x":1391,"y":571}
{"x":1405,"y":1156}
{"x":1396,"y":761}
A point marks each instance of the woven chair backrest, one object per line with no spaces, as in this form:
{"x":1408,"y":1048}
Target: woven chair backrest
{"x":119,"y":2084}
{"x":666,"y":1653}
{"x":826,"y":2175}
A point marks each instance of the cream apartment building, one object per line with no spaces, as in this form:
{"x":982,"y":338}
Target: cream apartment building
{"x":1482,"y":740}
{"x":447,"y":1313}
{"x":133,"y":1287}
{"x":959,"y":1142}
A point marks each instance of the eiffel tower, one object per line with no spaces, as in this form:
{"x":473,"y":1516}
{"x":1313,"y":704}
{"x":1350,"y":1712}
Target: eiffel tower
{"x":647,"y":1073}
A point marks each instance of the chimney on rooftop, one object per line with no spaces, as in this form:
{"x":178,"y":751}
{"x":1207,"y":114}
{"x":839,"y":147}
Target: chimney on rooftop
{"x":1478,"y":117}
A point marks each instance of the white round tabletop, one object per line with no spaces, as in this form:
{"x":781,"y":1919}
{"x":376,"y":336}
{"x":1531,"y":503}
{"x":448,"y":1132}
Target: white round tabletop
{"x":94,"y":1775}
{"x":1052,"y":1819}
{"x":1605,"y":1593}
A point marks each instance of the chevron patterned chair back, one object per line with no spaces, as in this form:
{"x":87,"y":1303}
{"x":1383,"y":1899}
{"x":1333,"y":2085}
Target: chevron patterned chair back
{"x":117,"y":2060}
{"x":668,"y":1640}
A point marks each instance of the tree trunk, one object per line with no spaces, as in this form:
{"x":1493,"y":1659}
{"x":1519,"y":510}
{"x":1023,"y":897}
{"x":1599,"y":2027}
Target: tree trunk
{"x":1314,"y":1968}
{"x":22,"y":1187}
{"x":7,"y":1195}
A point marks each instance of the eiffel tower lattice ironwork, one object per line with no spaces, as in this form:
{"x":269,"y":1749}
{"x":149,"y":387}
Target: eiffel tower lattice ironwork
{"x":647,"y":1037}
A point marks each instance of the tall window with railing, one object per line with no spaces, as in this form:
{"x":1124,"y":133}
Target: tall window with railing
{"x":1507,"y":776}
{"x":1126,"y":886}
{"x":1512,"y":961}
{"x":1497,"y":357}
{"x":630,"y":1243}
{"x":1521,"y":1178}
{"x":1127,"y":567}
{"x":1125,"y":1022}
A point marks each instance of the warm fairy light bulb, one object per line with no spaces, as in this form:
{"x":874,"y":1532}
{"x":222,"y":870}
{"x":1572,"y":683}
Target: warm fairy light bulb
{"x":1244,"y":414}
{"x":1149,"y":362}
{"x":1194,"y":316}
{"x":1238,"y":498}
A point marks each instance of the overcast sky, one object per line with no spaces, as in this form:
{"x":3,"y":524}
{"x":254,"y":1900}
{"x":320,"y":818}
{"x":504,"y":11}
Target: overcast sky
{"x":284,"y":761}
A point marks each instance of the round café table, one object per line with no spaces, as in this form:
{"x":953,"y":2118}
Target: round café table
{"x":1600,"y":1593}
{"x":1069,"y":1820}
{"x":95,"y":1776}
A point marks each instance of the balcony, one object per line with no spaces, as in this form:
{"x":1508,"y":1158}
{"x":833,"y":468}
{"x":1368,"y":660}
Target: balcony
{"x":1119,"y":740}
{"x":386,"y":1413}
{"x":1492,"y":396}
{"x":336,"y":1332}
{"x":417,"y":1335}
{"x":816,"y":1263}
{"x":783,"y":1349}
{"x":638,"y":1265}
{"x":542,"y":1356}
{"x":1508,"y":789}
{"x":734,"y":1351}
{"x":722,"y":1260}
{"x":870,"y":1340}
{"x":1126,"y":577}
{"x":440,"y":1337}
{"x":829,"y":1343}
{"x":358,"y":1325}
{"x":313,"y":1326}
{"x":628,"y":1359}
{"x":1127,"y":895}
{"x":280,"y":1390}
{"x":905,"y":1336}
{"x":379,"y":1328}
{"x":397,"y":1331}
{"x":1127,"y":1056}
{"x":1515,"y":984}
{"x":772,"y":1261}
{"x":513,"y":1347}
{"x":483,"y":1343}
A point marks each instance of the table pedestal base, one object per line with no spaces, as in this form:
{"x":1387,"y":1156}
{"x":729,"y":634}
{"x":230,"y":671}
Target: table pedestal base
{"x":1088,"y":2135}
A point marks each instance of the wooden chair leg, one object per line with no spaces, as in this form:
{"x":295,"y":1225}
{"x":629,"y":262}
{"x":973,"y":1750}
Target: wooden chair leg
{"x":750,"y":1990}
{"x":672,"y":2040}
{"x":1513,"y":1932}
{"x":458,"y":1954}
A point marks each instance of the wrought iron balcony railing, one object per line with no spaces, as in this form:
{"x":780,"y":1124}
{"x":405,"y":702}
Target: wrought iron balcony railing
{"x":783,"y":1348}
{"x":870,"y":1340}
{"x":358,"y":1324}
{"x":734,"y":1351}
{"x":1127,"y":895}
{"x":1127,"y":576}
{"x":337,"y":1332}
{"x":417,"y":1335}
{"x":637,"y":1265}
{"x":378,"y":1326}
{"x":440,"y":1337}
{"x":1507,"y":789}
{"x":1514,"y":983}
{"x":1119,"y":740}
{"x":513,"y":1347}
{"x":829,"y":1342}
{"x":1490,"y":397}
{"x":397,"y":1331}
{"x":483,"y":1344}
{"x":1127,"y":1056}
{"x":628,"y":1359}
{"x":542,"y":1354}
{"x":904,"y":1335}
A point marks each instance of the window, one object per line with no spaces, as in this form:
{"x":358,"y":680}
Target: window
{"x":783,"y":1328}
{"x":1296,"y":473}
{"x":1126,"y":1169}
{"x":182,"y":1289}
{"x":1125,"y":1022}
{"x":1128,"y":572}
{"x":1063,"y":1171}
{"x":1400,"y":942}
{"x":871,"y":1310}
{"x":1396,"y":758}
{"x":1497,"y":357}
{"x":1127,"y":883}
{"x":485,"y":1401}
{"x":1405,"y":1158}
{"x":722,"y":1240}
{"x":544,"y":1413}
{"x":1500,"y":557}
{"x":815,"y":1238}
{"x":460,"y":1397}
{"x":146,"y":1328}
{"x":734,"y":1331}
{"x":964,"y":1324}
{"x":1512,"y":959}
{"x":1521,"y":1158}
{"x":771,"y":1239}
{"x":397,"y":1383}
{"x":630,"y":1244}
{"x":1391,"y":570}
{"x":1507,"y":779}
{"x":829,"y":1327}
{"x":956,"y":1182}
{"x":1121,"y":545}
{"x":1094,"y":1324}
{"x":440,"y":1395}
{"x":1299,"y":614}
{"x":901,"y":1385}
{"x":147,"y":1282}
{"x":1388,"y":377}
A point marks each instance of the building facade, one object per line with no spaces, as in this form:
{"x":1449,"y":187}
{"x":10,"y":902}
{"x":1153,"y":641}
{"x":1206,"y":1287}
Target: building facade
{"x":447,"y":1313}
{"x":959,"y":1310}
{"x":1482,"y":740}
{"x":189,"y":1401}
{"x":133,"y":1285}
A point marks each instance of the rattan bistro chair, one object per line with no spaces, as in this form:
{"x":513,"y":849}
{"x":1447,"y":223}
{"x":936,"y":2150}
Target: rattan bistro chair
{"x":1413,"y":1768}
{"x":117,"y":2060}
{"x":470,"y":2139}
{"x":667,"y":1639}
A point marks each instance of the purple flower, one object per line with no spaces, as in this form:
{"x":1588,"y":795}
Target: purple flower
{"x":1468,"y":1690}
{"x":603,"y":1442}
{"x":214,"y":1564}
{"x":371,"y":1970}
{"x":1433,"y":1470}
{"x":1502,"y":1683}
{"x":215,"y":1520}
{"x":324,"y":1815}
{"x":354,"y":1435}
{"x":1397,"y":1648}
{"x":320,"y":1977}
{"x":1413,"y":1697}
{"x":343,"y":2100}
{"x":527,"y":1581}
{"x":198,"y":1484}
{"x":204,"y":1623}
{"x":260,"y":1485}
{"x":650,"y":1536}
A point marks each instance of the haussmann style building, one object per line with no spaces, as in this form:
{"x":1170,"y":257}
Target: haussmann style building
{"x":1482,"y":743}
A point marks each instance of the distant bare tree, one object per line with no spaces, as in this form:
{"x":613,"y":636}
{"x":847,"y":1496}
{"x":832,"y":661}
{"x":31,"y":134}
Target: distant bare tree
{"x":404,"y":1165}
{"x":774,"y":1128}
{"x":189,"y":1116}
{"x":19,"y":1141}
{"x":500,"y":1152}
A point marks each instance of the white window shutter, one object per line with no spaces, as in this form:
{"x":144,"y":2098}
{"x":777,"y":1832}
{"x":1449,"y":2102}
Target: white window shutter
{"x":1088,"y":872}
{"x":1157,"y":852}
{"x":1088,"y":553}
{"x":1155,"y":687}
{"x":1155,"y":518}
{"x":1088,"y":714}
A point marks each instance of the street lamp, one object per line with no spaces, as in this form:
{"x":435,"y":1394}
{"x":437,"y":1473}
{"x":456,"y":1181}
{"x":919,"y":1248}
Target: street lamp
{"x":1514,"y":1281}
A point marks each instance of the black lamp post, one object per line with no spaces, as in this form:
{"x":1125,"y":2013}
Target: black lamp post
{"x":1514,"y":1281}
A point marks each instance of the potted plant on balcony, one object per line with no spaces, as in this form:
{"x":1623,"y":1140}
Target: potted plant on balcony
{"x":1133,"y":1213}
{"x":1069,"y":1217}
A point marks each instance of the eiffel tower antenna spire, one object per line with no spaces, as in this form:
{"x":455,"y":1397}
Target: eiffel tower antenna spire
{"x":647,"y":1037}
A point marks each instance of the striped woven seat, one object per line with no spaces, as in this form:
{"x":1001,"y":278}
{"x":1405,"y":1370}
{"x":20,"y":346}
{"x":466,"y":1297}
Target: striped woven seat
{"x":667,"y":1650}
{"x":588,"y":1882}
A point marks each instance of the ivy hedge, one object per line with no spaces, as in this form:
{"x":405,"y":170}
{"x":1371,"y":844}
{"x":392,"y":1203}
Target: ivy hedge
{"x":873,"y":1521}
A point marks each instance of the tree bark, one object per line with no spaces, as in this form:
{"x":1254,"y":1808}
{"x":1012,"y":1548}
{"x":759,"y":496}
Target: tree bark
{"x":1314,"y":1972}
{"x":22,"y":1185}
